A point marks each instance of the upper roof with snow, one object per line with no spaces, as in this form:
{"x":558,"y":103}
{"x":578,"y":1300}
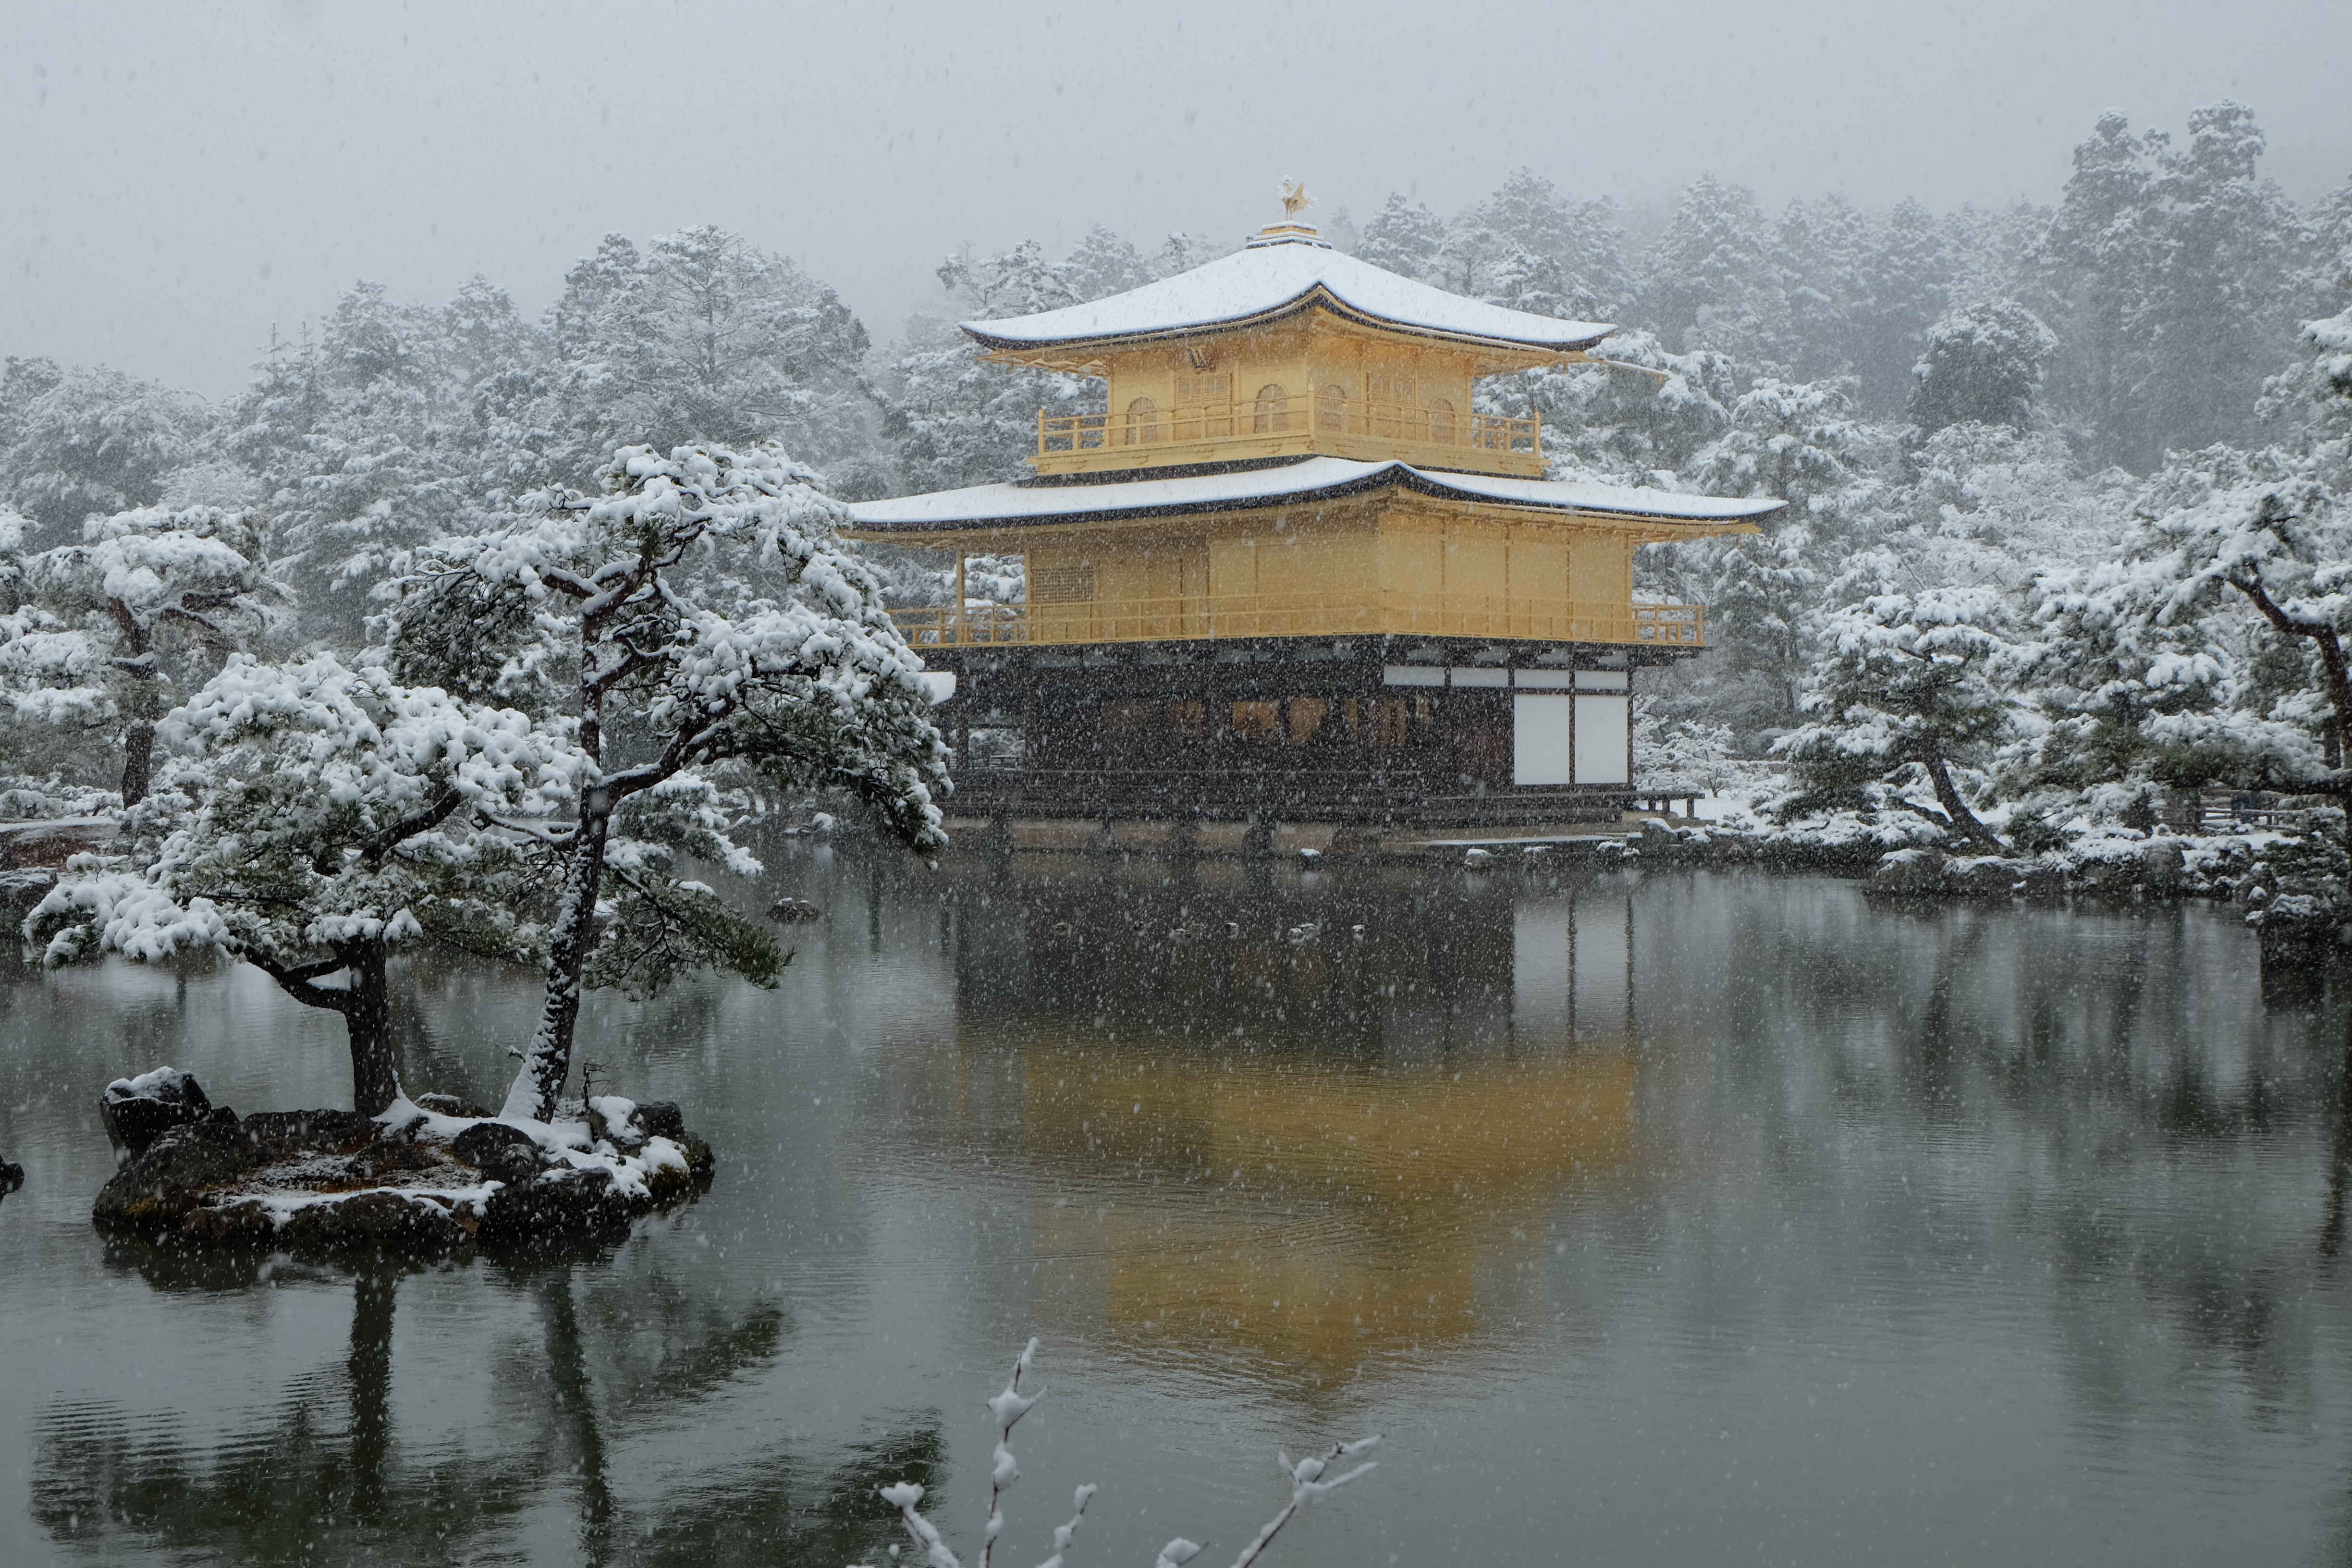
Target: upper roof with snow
{"x":1280,"y":273}
{"x":1291,"y":483}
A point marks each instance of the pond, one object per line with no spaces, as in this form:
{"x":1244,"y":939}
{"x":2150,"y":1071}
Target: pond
{"x":1654,"y":1218}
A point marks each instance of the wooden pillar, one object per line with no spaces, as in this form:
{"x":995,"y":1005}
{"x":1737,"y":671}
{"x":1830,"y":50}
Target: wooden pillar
{"x":960,"y":635}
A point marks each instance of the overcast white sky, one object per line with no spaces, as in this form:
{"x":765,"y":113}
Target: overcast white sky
{"x":180,"y":176}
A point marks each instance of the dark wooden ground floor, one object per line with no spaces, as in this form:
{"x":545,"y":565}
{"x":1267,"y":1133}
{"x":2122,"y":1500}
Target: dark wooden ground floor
{"x":1375,"y":730}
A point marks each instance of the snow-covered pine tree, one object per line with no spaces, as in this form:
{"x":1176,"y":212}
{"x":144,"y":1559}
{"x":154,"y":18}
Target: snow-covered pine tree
{"x":958,"y":420}
{"x":698,"y":621}
{"x":1982,"y":363}
{"x":2227,"y":531}
{"x":76,"y":440}
{"x":699,"y":336}
{"x":954,"y":418}
{"x":383,"y":428}
{"x":1910,"y":688}
{"x":148,"y":599}
{"x":1906,"y":270}
{"x":315,"y":816}
{"x":2232,"y":251}
{"x":1821,"y":249}
{"x":1580,"y":242}
{"x":1607,"y":422}
{"x":1710,"y":282}
{"x":1801,"y":443}
{"x":2093,"y":271}
{"x":1404,"y":236}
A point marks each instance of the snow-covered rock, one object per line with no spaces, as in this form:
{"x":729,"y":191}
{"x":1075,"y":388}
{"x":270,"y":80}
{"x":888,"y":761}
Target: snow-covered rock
{"x":1908,"y":873}
{"x":138,"y":1110}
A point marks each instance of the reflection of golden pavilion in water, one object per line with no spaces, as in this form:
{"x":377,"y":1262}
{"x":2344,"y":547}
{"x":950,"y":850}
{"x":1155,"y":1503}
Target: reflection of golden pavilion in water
{"x":1308,"y":1213}
{"x":1304,"y":1213}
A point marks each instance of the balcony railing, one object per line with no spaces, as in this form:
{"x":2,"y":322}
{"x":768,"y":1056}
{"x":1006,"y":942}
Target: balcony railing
{"x":1201,"y":616}
{"x":1682,"y":624}
{"x":1302,"y":422}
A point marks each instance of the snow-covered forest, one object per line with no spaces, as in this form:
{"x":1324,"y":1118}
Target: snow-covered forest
{"x":2066,"y":532}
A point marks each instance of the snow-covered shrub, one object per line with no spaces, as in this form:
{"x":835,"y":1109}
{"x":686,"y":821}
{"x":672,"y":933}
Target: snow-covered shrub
{"x":1683,"y":756}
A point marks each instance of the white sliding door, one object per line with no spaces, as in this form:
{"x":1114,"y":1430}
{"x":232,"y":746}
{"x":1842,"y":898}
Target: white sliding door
{"x":1604,"y":740}
{"x":1543,"y":751}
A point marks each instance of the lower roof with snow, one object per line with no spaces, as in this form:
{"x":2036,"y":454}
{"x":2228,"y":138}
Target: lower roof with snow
{"x":1295,"y":483}
{"x":1268,"y":281}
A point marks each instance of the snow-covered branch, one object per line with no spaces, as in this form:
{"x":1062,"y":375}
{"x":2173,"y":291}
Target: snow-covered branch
{"x":1311,"y":1479}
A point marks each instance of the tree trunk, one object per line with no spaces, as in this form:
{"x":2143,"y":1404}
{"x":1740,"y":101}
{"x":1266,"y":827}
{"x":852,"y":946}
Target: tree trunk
{"x":138,"y":760}
{"x":2332,"y":663}
{"x":365,"y":1004}
{"x":367,"y":1020}
{"x":540,"y":1082}
{"x":1947,"y":795}
{"x":140,"y":703}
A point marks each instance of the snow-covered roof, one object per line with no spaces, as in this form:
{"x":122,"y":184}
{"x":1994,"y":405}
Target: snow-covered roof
{"x":1313,"y":479}
{"x":1270,"y":281}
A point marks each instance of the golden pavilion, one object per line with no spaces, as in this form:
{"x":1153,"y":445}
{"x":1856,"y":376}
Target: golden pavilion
{"x":1292,"y":571}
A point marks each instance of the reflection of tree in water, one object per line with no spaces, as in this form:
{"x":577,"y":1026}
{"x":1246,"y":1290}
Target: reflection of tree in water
{"x":2104,"y":1100}
{"x":324,"y":1480}
{"x":319,"y":1481}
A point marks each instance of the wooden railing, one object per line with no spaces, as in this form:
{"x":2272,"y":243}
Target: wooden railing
{"x":1201,"y":616}
{"x":1682,"y":624}
{"x":1194,"y":424}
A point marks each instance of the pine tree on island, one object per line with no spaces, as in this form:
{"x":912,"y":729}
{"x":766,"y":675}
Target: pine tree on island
{"x":703,"y":604}
{"x":315,"y":816}
{"x":465,"y":786}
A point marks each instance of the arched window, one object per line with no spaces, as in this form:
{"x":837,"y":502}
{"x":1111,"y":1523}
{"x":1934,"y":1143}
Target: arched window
{"x":1272,"y":409}
{"x":1331,"y":408}
{"x":1440,"y":422}
{"x":1142,"y":421}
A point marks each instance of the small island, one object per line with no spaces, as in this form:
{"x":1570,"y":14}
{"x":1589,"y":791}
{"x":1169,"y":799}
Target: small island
{"x":434,"y":1175}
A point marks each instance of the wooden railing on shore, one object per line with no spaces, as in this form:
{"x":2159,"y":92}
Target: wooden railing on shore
{"x":1201,"y":616}
{"x":1153,"y":432}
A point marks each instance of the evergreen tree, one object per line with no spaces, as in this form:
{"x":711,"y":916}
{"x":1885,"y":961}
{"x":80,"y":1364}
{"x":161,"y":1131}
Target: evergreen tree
{"x":78,"y":441}
{"x":1403,"y":237}
{"x":369,"y":437}
{"x":1908,"y":268}
{"x":103,"y":628}
{"x":318,"y":817}
{"x":1710,"y":282}
{"x":700,"y":336}
{"x":1982,"y":364}
{"x":958,"y":419}
{"x":2093,"y":270}
{"x":2229,"y":257}
{"x":1909,"y":690}
{"x":1819,"y":250}
{"x":698,"y":620}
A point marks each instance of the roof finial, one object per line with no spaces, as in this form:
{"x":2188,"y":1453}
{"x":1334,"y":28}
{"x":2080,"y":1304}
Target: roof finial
{"x":1295,"y":200}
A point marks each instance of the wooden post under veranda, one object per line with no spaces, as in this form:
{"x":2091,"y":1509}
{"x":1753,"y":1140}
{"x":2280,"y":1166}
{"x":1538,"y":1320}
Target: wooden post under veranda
{"x":957,"y":634}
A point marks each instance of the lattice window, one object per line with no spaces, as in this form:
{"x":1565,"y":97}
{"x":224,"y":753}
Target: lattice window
{"x":1271,"y":414}
{"x":1071,"y":583}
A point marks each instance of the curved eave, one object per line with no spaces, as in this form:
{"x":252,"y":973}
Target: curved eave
{"x":1081,"y":351}
{"x":1739,"y":519}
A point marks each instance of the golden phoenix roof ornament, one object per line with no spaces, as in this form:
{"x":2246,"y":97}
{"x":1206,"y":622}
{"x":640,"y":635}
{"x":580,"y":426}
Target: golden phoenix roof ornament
{"x":1295,"y":200}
